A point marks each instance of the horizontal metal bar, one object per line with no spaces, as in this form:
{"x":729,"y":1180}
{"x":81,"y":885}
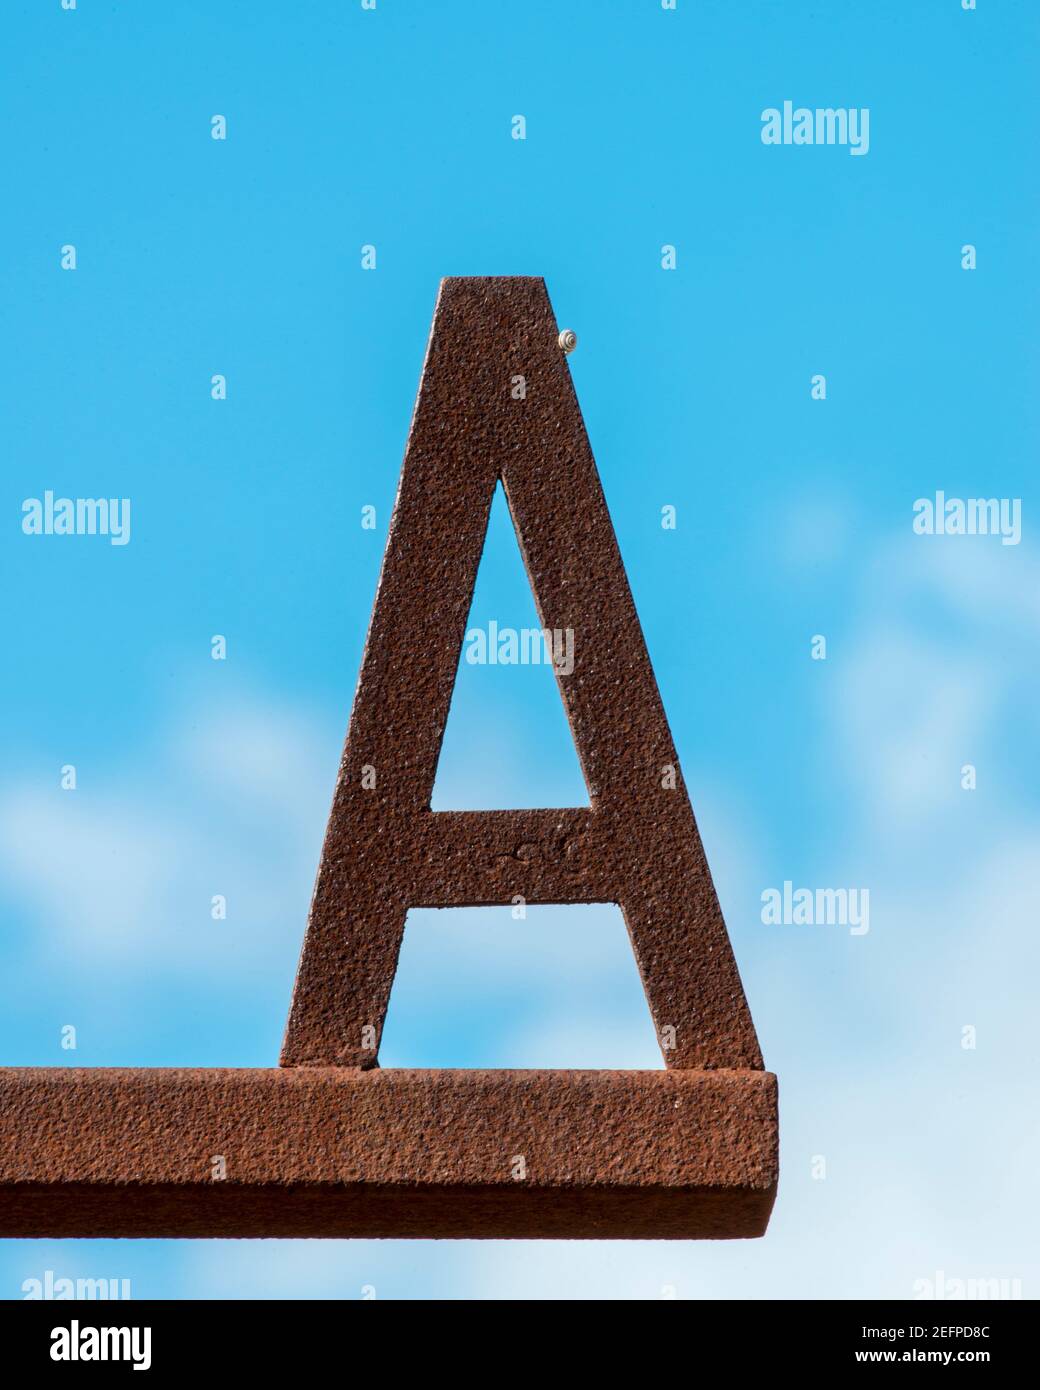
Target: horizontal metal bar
{"x":336,"y":1151}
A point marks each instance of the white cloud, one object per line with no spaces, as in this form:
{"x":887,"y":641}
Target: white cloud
{"x":119,"y":874}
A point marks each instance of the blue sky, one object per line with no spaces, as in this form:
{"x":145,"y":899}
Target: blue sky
{"x":242,"y":257}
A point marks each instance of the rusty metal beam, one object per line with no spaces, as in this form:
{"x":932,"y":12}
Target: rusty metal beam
{"x":339,"y":1152}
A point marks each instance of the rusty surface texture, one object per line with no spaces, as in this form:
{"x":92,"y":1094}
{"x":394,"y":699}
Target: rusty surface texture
{"x":340,"y":1152}
{"x":637,"y":844}
{"x":330,"y":1144}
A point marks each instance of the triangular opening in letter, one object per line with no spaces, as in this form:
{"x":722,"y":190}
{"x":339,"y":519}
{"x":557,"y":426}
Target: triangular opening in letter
{"x":507,"y":743}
